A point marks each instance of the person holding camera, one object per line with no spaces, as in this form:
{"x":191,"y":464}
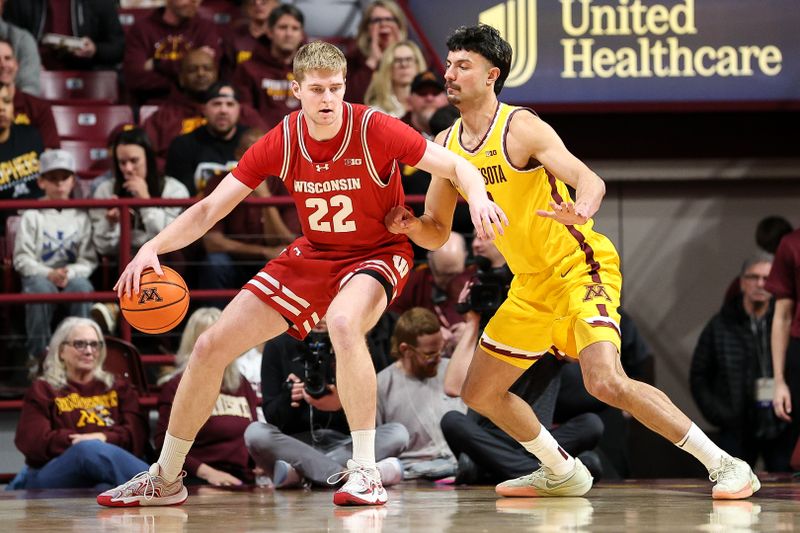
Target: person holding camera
{"x":306,"y":436}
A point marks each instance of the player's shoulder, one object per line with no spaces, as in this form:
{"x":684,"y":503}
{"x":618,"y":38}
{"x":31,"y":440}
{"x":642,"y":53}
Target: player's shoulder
{"x":522,"y":117}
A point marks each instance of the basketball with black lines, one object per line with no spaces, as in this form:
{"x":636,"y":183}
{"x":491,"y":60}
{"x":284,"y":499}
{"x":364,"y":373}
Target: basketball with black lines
{"x":161,"y":303}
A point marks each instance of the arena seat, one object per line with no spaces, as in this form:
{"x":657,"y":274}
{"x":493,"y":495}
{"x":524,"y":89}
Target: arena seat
{"x":129,"y":16}
{"x":92,"y":158}
{"x":98,"y":86}
{"x":221,"y":12}
{"x":146,"y":111}
{"x":123,"y":360}
{"x":90,"y":122}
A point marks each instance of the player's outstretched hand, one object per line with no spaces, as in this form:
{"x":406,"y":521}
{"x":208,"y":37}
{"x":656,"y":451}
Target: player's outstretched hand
{"x":568,"y":213}
{"x":131,"y":276}
{"x":486,"y":215}
{"x":400,"y":220}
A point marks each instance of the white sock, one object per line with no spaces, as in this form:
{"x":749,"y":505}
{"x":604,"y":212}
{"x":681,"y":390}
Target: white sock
{"x":364,"y":447}
{"x":172,"y":457}
{"x":549,"y":453}
{"x":698,"y":444}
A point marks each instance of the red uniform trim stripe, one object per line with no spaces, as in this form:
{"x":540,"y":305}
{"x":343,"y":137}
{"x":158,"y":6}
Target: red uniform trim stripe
{"x":508,"y":353}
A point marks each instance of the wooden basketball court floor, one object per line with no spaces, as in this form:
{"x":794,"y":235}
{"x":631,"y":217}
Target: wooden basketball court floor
{"x":651,"y":506}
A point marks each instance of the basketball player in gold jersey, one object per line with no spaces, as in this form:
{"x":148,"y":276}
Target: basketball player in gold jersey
{"x":566,"y":289}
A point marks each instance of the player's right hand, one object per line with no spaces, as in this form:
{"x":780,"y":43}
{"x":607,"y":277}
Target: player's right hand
{"x":782,"y":401}
{"x":131,"y":277}
{"x":400,"y":220}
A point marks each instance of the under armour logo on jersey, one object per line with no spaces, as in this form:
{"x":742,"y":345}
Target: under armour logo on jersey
{"x":352,"y":162}
{"x":150,"y":295}
{"x":322,"y":167}
{"x":297,"y":251}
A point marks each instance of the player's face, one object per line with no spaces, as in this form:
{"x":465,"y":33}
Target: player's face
{"x":321,"y":94}
{"x":467,"y":77}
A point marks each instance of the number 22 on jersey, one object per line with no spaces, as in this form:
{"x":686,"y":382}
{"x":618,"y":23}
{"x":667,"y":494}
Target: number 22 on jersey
{"x":339,"y":222}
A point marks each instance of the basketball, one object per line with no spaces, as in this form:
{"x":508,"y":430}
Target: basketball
{"x":161,"y":303}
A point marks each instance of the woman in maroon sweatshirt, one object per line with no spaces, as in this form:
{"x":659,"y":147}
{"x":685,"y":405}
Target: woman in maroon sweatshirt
{"x":219,"y":455}
{"x":79,"y":426}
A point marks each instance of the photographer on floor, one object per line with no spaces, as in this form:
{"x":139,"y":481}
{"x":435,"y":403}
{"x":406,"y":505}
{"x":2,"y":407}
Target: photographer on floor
{"x":306,"y":437}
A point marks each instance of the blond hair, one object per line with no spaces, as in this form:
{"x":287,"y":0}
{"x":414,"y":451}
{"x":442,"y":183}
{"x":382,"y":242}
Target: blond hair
{"x":411,"y":325}
{"x":318,"y":55}
{"x":202,"y":319}
{"x":55,"y":371}
{"x":381,"y":89}
{"x":363,"y":39}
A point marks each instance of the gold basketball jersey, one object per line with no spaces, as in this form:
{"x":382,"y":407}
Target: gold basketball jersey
{"x":531,"y":243}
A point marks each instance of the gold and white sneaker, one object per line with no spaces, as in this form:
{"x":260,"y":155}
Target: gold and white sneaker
{"x":544,"y":482}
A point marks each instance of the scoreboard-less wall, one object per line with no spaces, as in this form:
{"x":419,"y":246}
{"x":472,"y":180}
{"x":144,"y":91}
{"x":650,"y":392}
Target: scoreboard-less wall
{"x":629,"y":51}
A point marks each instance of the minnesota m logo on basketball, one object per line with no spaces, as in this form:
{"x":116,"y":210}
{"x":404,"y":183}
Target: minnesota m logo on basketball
{"x":595,"y":291}
{"x":516,"y":22}
{"x":150,"y":295}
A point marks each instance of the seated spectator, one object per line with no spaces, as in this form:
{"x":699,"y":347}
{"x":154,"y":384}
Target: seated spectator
{"x":136,"y":176}
{"x":53,"y":250}
{"x":239,"y":244}
{"x":29,"y":110}
{"x":156,"y":45}
{"x":182,"y":113}
{"x":382,"y":24}
{"x":390,"y":87}
{"x":20,"y":147}
{"x":436,"y":287}
{"x":306,"y":436}
{"x":79,"y":426}
{"x":411,"y":392}
{"x":27,"y":54}
{"x":95,"y":22}
{"x":194,"y":157}
{"x":425,"y":98}
{"x":731,"y":375}
{"x":265,"y":81}
{"x":218,"y":455}
{"x":247,"y":35}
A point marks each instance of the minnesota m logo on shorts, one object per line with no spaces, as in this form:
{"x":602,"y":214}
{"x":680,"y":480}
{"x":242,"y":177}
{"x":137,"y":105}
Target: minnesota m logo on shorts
{"x":595,"y":291}
{"x":516,"y":22}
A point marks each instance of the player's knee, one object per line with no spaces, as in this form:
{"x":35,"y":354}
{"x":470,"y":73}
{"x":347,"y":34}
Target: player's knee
{"x":205,"y":348}
{"x":477,"y":398}
{"x":605,"y":386}
{"x":343,"y":329}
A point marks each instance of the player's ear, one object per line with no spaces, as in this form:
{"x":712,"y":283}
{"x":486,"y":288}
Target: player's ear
{"x":296,"y":89}
{"x":492,"y":76}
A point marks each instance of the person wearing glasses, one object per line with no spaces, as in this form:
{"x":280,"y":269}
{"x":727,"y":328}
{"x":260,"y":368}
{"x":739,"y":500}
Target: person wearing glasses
{"x":80,"y":426}
{"x":390,"y":89}
{"x":731,"y":375}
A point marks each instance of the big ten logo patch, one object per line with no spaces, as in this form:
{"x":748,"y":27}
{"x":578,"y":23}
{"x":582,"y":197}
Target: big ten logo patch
{"x":516,"y":22}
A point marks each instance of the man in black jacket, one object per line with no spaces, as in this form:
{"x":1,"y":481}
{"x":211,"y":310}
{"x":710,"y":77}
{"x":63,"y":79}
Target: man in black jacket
{"x":94,"y":22}
{"x":731,"y":373}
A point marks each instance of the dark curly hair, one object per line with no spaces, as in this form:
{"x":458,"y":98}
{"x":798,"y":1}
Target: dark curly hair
{"x":486,"y":41}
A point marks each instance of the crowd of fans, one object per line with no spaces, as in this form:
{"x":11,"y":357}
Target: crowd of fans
{"x":204,"y":92}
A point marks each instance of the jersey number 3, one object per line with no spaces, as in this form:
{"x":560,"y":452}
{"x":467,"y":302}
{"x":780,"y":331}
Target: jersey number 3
{"x":321,"y":206}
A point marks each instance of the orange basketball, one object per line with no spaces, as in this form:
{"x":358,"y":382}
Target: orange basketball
{"x":161,"y":303}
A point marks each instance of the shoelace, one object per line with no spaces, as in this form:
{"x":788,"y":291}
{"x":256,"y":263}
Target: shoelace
{"x":149,"y":489}
{"x":338,"y":476}
{"x":540,"y":473}
{"x":725,"y":467}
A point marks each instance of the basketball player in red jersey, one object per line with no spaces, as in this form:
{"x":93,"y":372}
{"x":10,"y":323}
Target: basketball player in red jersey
{"x":340,"y":163}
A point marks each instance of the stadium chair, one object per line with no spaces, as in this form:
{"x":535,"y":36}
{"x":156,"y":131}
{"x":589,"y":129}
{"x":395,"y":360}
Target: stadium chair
{"x":123,"y":360}
{"x":146,"y":111}
{"x":92,"y":158}
{"x":221,"y":12}
{"x":90,"y":122}
{"x":129,"y":16}
{"x":67,"y":86}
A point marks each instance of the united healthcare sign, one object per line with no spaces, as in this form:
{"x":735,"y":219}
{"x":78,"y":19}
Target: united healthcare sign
{"x":596,"y":51}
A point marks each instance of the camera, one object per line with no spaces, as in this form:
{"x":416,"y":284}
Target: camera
{"x":489,"y":288}
{"x":319,"y":364}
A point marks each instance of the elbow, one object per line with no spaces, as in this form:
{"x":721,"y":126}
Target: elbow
{"x":451,"y":390}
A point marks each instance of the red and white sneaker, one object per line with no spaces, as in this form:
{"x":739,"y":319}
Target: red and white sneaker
{"x":363,"y":486}
{"x":145,"y":489}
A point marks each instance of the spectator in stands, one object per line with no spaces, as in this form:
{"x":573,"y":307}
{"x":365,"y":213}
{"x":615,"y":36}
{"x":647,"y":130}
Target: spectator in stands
{"x":436,"y":287}
{"x":157,"y":44}
{"x":731,"y":375}
{"x":265,"y":81}
{"x":382,"y":24}
{"x":784,"y":284}
{"x":79,"y":426}
{"x":248,"y":34}
{"x":20,"y":147}
{"x":238,"y":244}
{"x":136,"y":176}
{"x":94,"y":22}
{"x":219,"y":455}
{"x":307,"y":437}
{"x":194,"y":157}
{"x":53,"y":250}
{"x":390,"y":87}
{"x":411,"y":392}
{"x":29,"y":110}
{"x":24,"y":46}
{"x":426,"y":97}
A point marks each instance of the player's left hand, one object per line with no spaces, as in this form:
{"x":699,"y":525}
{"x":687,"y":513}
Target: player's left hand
{"x":400,"y":220}
{"x":486,"y":215}
{"x":567,"y":213}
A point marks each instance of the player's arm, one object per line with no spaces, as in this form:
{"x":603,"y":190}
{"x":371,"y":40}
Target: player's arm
{"x":533,"y":137}
{"x":187,"y":228}
{"x":781,"y":329}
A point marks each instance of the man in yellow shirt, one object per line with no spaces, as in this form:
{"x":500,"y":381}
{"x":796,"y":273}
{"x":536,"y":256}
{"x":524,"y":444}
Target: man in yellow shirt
{"x":567,"y":283}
